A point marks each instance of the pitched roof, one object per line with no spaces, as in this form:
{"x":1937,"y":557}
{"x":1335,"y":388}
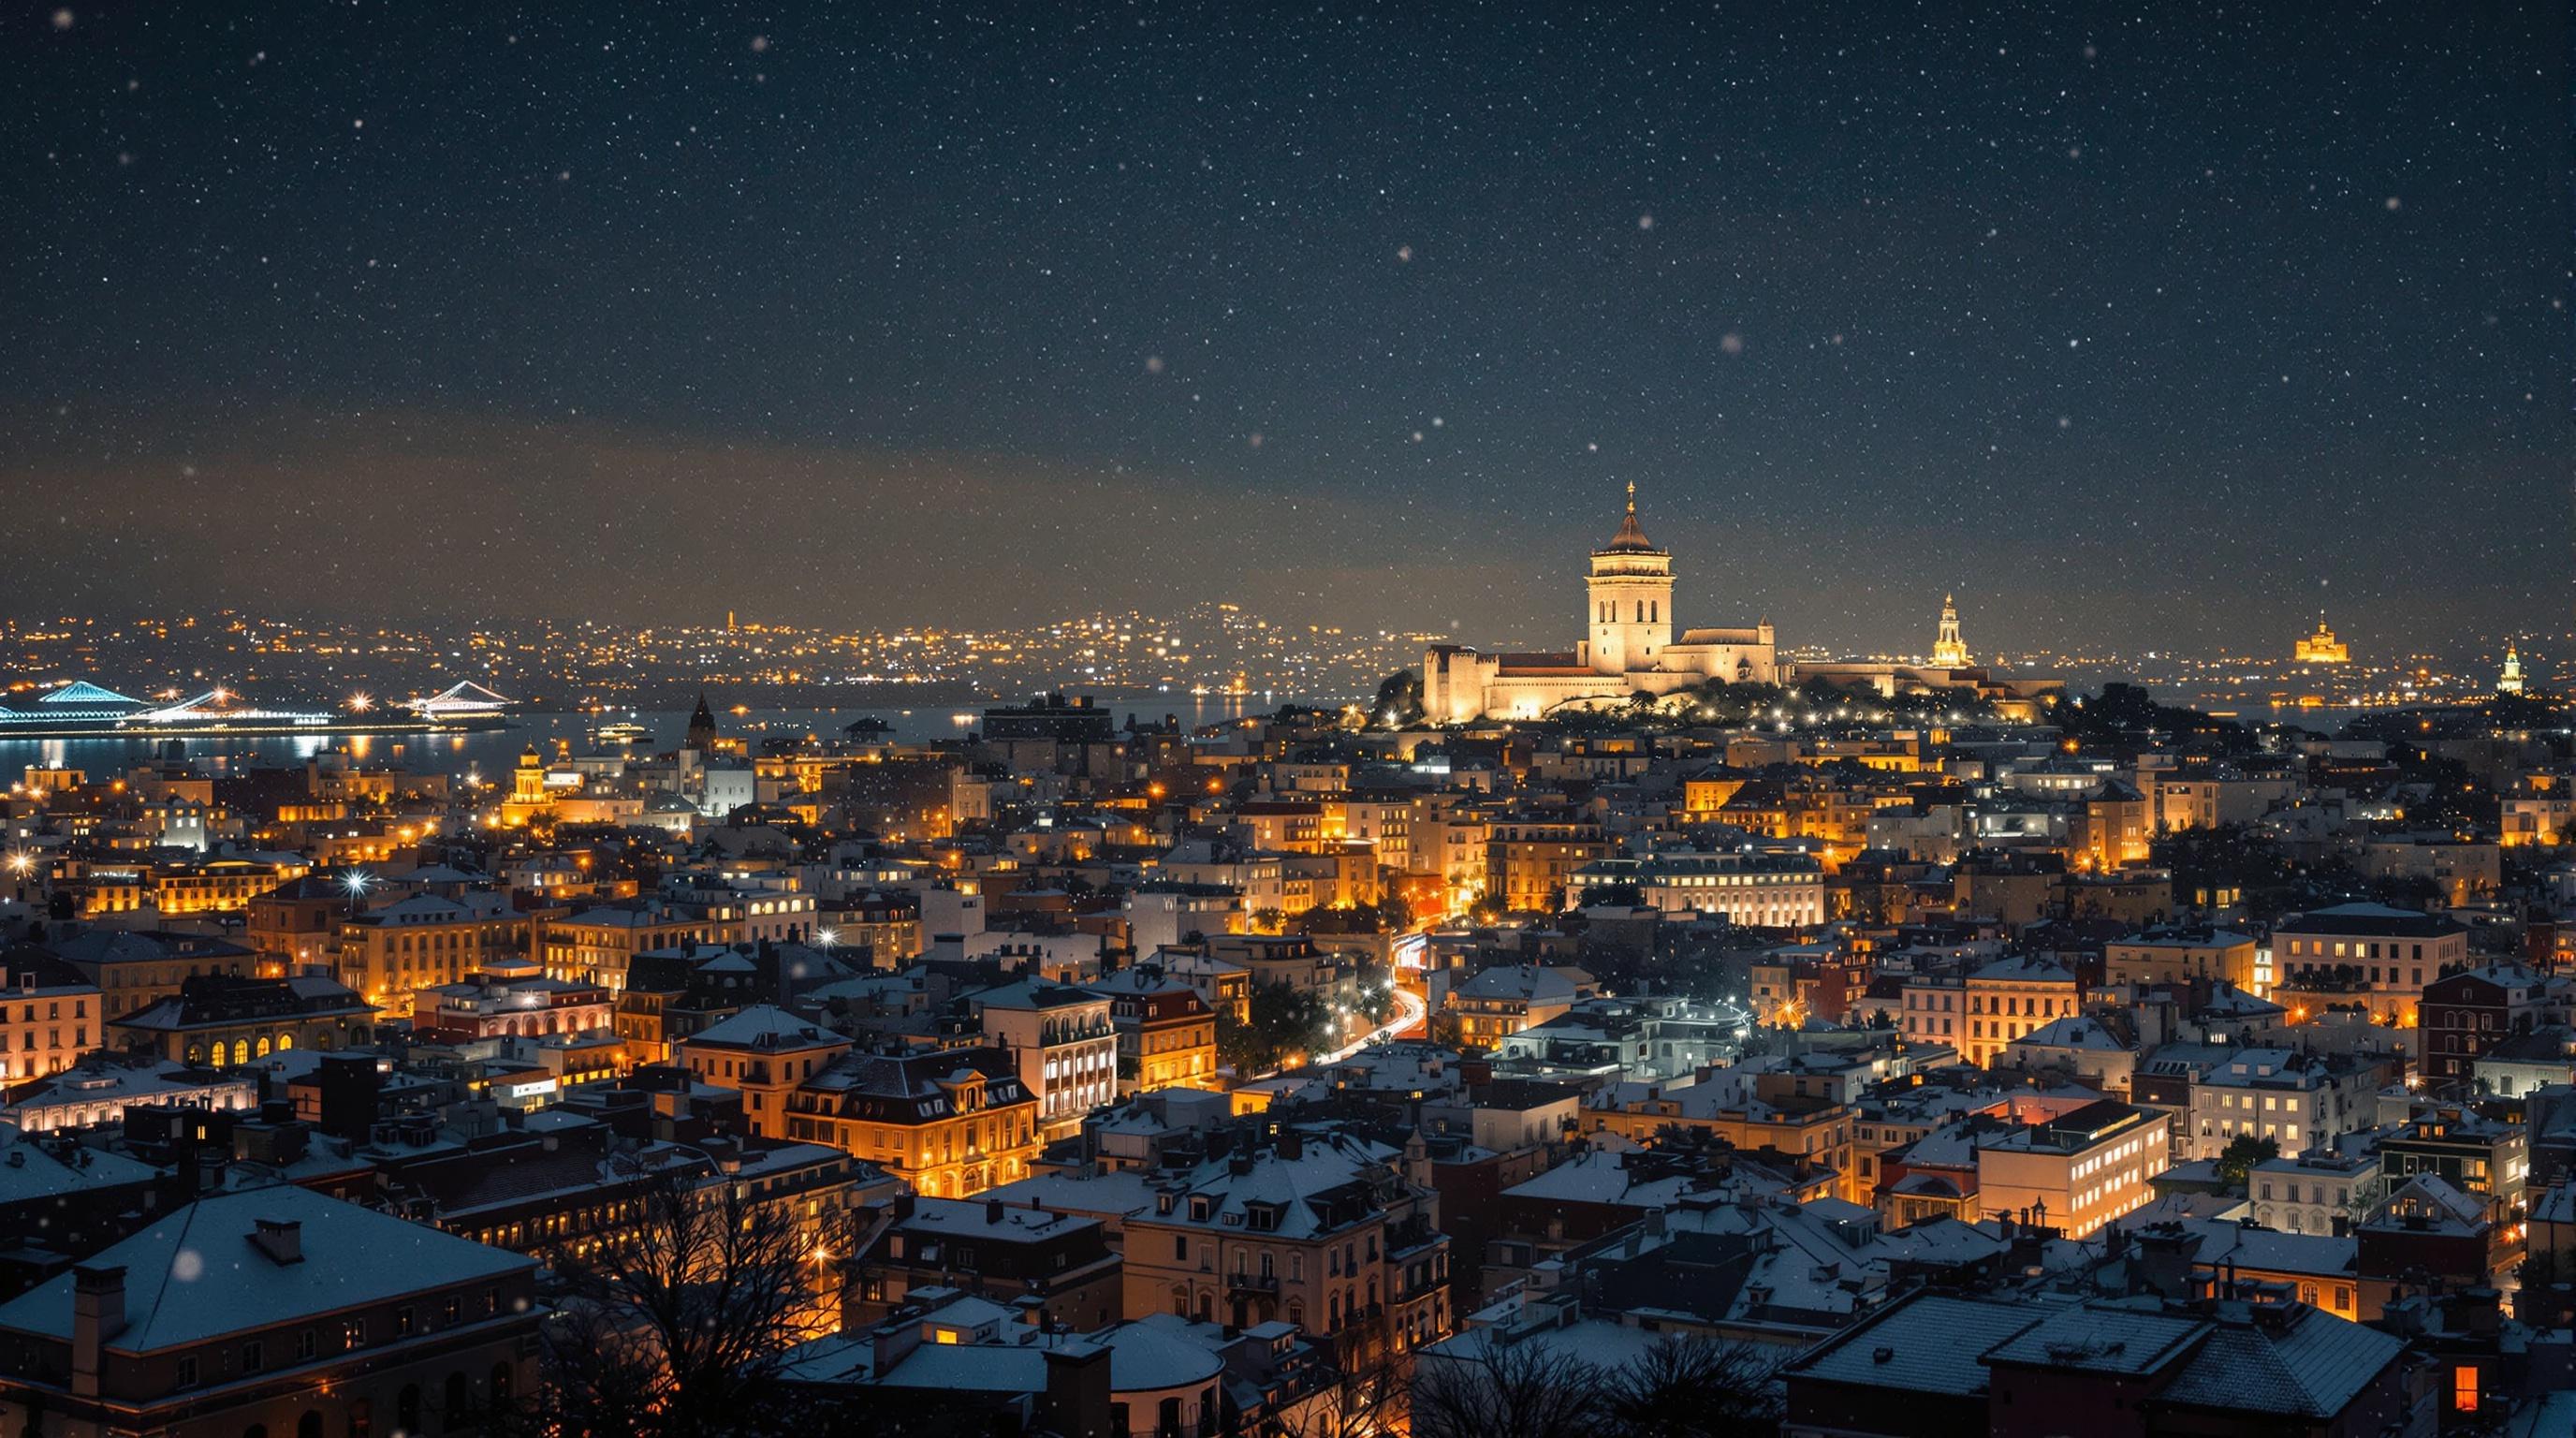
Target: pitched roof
{"x":2312,"y":1368}
{"x":197,"y":1275}
{"x":1929,"y":1344}
{"x":766,"y":1026}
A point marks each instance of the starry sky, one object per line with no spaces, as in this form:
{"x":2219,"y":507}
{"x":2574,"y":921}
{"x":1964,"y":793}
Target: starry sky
{"x":2138,"y":326}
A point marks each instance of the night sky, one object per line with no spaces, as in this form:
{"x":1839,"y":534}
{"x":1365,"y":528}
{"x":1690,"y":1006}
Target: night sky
{"x":2155,"y":326}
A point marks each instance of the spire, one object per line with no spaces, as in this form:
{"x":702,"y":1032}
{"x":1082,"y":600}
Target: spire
{"x":1630,"y":537}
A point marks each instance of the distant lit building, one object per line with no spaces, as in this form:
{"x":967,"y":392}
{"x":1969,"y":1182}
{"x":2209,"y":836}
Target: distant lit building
{"x":1948,"y":650}
{"x":49,"y":1015}
{"x":1065,"y":1046}
{"x":950,"y":1123}
{"x":2181,"y":956}
{"x":1630,"y":648}
{"x":2009,"y":998}
{"x":1758,"y":890}
{"x":2323,"y":647}
{"x":2077,"y":1171}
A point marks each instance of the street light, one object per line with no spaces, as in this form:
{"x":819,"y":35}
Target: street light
{"x":356,"y":882}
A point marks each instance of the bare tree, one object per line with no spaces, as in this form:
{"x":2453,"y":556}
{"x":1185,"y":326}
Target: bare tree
{"x":1535,"y":1388}
{"x":1697,"y":1388}
{"x":1528,"y":1389}
{"x":675,"y":1325}
{"x":1362,"y":1404}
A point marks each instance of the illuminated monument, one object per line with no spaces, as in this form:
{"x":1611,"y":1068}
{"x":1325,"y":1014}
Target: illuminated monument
{"x":2323,"y":648}
{"x":1631,"y":648}
{"x":2510,"y":682}
{"x":1948,"y":651}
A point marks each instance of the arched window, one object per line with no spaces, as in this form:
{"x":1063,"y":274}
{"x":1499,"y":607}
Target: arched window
{"x":256,"y":1430}
{"x":501,"y":1385}
{"x":241,"y":1051}
{"x":458,"y":1404}
{"x":310,"y":1425}
{"x":285,"y":1042}
{"x":263,"y":1046}
{"x":407,"y":1408}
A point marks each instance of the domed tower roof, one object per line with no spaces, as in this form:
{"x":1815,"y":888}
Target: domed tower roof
{"x":1630,"y":539}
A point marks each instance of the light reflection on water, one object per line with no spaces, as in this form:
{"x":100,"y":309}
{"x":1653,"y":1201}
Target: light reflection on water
{"x":496,"y":751}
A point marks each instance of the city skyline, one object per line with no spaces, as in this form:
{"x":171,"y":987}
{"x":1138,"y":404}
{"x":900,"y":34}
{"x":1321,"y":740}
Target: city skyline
{"x":2137,"y":334}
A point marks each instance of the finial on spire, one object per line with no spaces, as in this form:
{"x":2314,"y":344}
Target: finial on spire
{"x":1630,"y":538}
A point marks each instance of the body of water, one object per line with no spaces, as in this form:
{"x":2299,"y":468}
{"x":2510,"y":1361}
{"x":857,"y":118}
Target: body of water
{"x":493,"y":752}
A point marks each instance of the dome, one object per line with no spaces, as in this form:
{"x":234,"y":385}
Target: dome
{"x":1144,"y":1360}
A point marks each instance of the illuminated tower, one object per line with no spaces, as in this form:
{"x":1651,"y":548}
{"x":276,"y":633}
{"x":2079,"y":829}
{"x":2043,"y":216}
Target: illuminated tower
{"x":2322,"y":647}
{"x":1947,"y":650}
{"x":528,"y":780}
{"x":701,"y":734}
{"x":1631,"y":590}
{"x":2510,"y":682}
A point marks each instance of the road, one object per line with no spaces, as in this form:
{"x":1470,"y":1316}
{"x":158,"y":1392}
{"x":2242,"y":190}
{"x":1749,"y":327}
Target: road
{"x":1409,"y":1010}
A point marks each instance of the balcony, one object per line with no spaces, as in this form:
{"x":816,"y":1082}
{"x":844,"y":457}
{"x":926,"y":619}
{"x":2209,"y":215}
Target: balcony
{"x":1252,"y":1282}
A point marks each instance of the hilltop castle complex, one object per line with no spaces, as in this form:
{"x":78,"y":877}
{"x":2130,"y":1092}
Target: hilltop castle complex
{"x":1631,"y":648}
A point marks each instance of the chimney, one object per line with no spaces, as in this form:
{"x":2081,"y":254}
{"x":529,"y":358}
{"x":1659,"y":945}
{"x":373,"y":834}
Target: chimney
{"x":281,"y":1239}
{"x":98,"y":1314}
{"x":992,"y":1210}
{"x":893,"y":1341}
{"x":1077,"y":1388}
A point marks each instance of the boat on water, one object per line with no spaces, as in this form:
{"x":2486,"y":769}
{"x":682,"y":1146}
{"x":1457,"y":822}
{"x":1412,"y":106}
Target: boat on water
{"x":624,"y":731}
{"x":82,"y":710}
{"x":463,"y":705}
